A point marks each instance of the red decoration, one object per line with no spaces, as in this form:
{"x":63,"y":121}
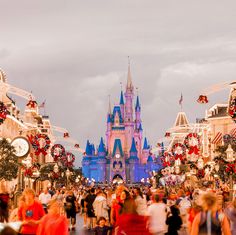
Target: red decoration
{"x":32,"y":104}
{"x":232,"y":109}
{"x":77,"y":146}
{"x":201,"y":173}
{"x":167,"y":134}
{"x":66,"y":135}
{"x":231,"y":168}
{"x":167,"y":159}
{"x":202,"y":99}
{"x":57,"y":151}
{"x":3,"y":112}
{"x":192,"y":142}
{"x":68,"y":159}
{"x":40,"y":144}
{"x":28,"y":172}
{"x":178,"y":150}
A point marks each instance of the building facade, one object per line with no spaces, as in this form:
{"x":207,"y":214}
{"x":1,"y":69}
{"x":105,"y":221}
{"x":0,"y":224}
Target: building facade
{"x":124,"y":154}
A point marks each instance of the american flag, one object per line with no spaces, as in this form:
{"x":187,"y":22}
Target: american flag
{"x":181,"y":99}
{"x":43,"y":104}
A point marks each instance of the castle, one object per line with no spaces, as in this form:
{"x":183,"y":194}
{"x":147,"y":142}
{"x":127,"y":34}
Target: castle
{"x":126,"y":156}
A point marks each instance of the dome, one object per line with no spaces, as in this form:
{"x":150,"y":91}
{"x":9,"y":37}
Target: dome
{"x":2,"y":76}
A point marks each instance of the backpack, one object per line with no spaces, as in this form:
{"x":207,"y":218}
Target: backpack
{"x":184,"y":205}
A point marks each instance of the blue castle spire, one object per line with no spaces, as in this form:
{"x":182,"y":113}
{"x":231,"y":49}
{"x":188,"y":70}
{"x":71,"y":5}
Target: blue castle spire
{"x":88,"y":148}
{"x":101,"y":148}
{"x":137,"y":106}
{"x":122,"y":98}
{"x":145,"y":144}
{"x":150,"y":159}
{"x":133,"y":147}
{"x":109,"y":120}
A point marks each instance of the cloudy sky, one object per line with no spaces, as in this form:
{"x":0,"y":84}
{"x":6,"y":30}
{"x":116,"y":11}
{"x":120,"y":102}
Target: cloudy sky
{"x":74,"y":54}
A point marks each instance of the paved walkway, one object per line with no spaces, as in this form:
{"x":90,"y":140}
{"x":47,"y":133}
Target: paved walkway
{"x":79,"y":227}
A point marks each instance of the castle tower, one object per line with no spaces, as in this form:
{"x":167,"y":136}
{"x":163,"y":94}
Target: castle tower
{"x":145,"y":151}
{"x":109,"y":126}
{"x":101,"y":177}
{"x":122,"y":104}
{"x":129,"y":124}
{"x":133,"y":162}
{"x":138,"y":131}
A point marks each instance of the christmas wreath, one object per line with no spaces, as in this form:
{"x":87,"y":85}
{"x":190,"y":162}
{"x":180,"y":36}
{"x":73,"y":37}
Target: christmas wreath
{"x":40,"y":144}
{"x":57,"y":151}
{"x":68,"y":159}
{"x":3,"y":112}
{"x":178,"y":151}
{"x":192,"y":142}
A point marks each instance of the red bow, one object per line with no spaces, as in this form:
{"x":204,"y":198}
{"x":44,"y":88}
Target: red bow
{"x":193,"y":149}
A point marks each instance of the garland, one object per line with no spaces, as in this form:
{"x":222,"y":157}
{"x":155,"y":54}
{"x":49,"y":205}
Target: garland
{"x":3,"y":112}
{"x":57,"y":151}
{"x":178,"y":150}
{"x":192,"y":142}
{"x":40,"y":144}
{"x":68,"y":159}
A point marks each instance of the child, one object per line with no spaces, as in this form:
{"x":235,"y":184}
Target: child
{"x":102,"y":228}
{"x":174,"y":221}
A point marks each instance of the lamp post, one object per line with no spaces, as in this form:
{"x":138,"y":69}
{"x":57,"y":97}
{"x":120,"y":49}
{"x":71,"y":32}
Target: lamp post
{"x":230,"y":158}
{"x":67,"y":176}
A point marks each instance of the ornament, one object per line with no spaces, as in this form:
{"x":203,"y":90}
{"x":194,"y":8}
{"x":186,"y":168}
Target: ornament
{"x":192,"y":142}
{"x":178,"y":150}
{"x":68,"y":159}
{"x":57,"y":151}
{"x":202,"y":99}
{"x":230,"y":168}
{"x":40,"y":144}
{"x":3,"y":112}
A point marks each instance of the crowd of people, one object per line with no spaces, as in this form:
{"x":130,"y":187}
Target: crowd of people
{"x":121,"y":209}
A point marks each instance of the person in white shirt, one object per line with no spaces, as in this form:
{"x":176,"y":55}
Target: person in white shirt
{"x":44,"y":198}
{"x":157,"y":220}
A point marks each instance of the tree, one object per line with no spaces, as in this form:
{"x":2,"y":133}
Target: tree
{"x":8,"y":161}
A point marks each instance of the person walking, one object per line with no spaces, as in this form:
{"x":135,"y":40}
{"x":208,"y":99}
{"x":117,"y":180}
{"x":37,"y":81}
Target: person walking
{"x":53,"y":223}
{"x":30,"y":212}
{"x":88,"y":206}
{"x":100,"y":206}
{"x":44,"y":198}
{"x":210,"y":221}
{"x":157,"y":212}
{"x":173,"y":221}
{"x":70,"y":208}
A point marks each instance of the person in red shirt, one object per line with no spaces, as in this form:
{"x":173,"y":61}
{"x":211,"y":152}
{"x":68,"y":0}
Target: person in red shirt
{"x":30,"y":213}
{"x":53,"y":223}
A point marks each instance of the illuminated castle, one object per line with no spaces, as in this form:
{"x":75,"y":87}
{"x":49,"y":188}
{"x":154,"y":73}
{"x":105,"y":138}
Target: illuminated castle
{"x":125,"y":155}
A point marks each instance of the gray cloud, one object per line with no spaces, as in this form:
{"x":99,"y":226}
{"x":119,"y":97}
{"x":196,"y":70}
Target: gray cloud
{"x":74,"y":54}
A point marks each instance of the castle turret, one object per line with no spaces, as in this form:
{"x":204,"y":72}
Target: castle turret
{"x":87,"y":160}
{"x":109,"y":123}
{"x":133,"y":163}
{"x":101,"y":162}
{"x":145,"y":151}
{"x":122,"y":105}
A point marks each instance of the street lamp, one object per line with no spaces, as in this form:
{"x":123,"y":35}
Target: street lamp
{"x":230,"y":158}
{"x":67,"y":176}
